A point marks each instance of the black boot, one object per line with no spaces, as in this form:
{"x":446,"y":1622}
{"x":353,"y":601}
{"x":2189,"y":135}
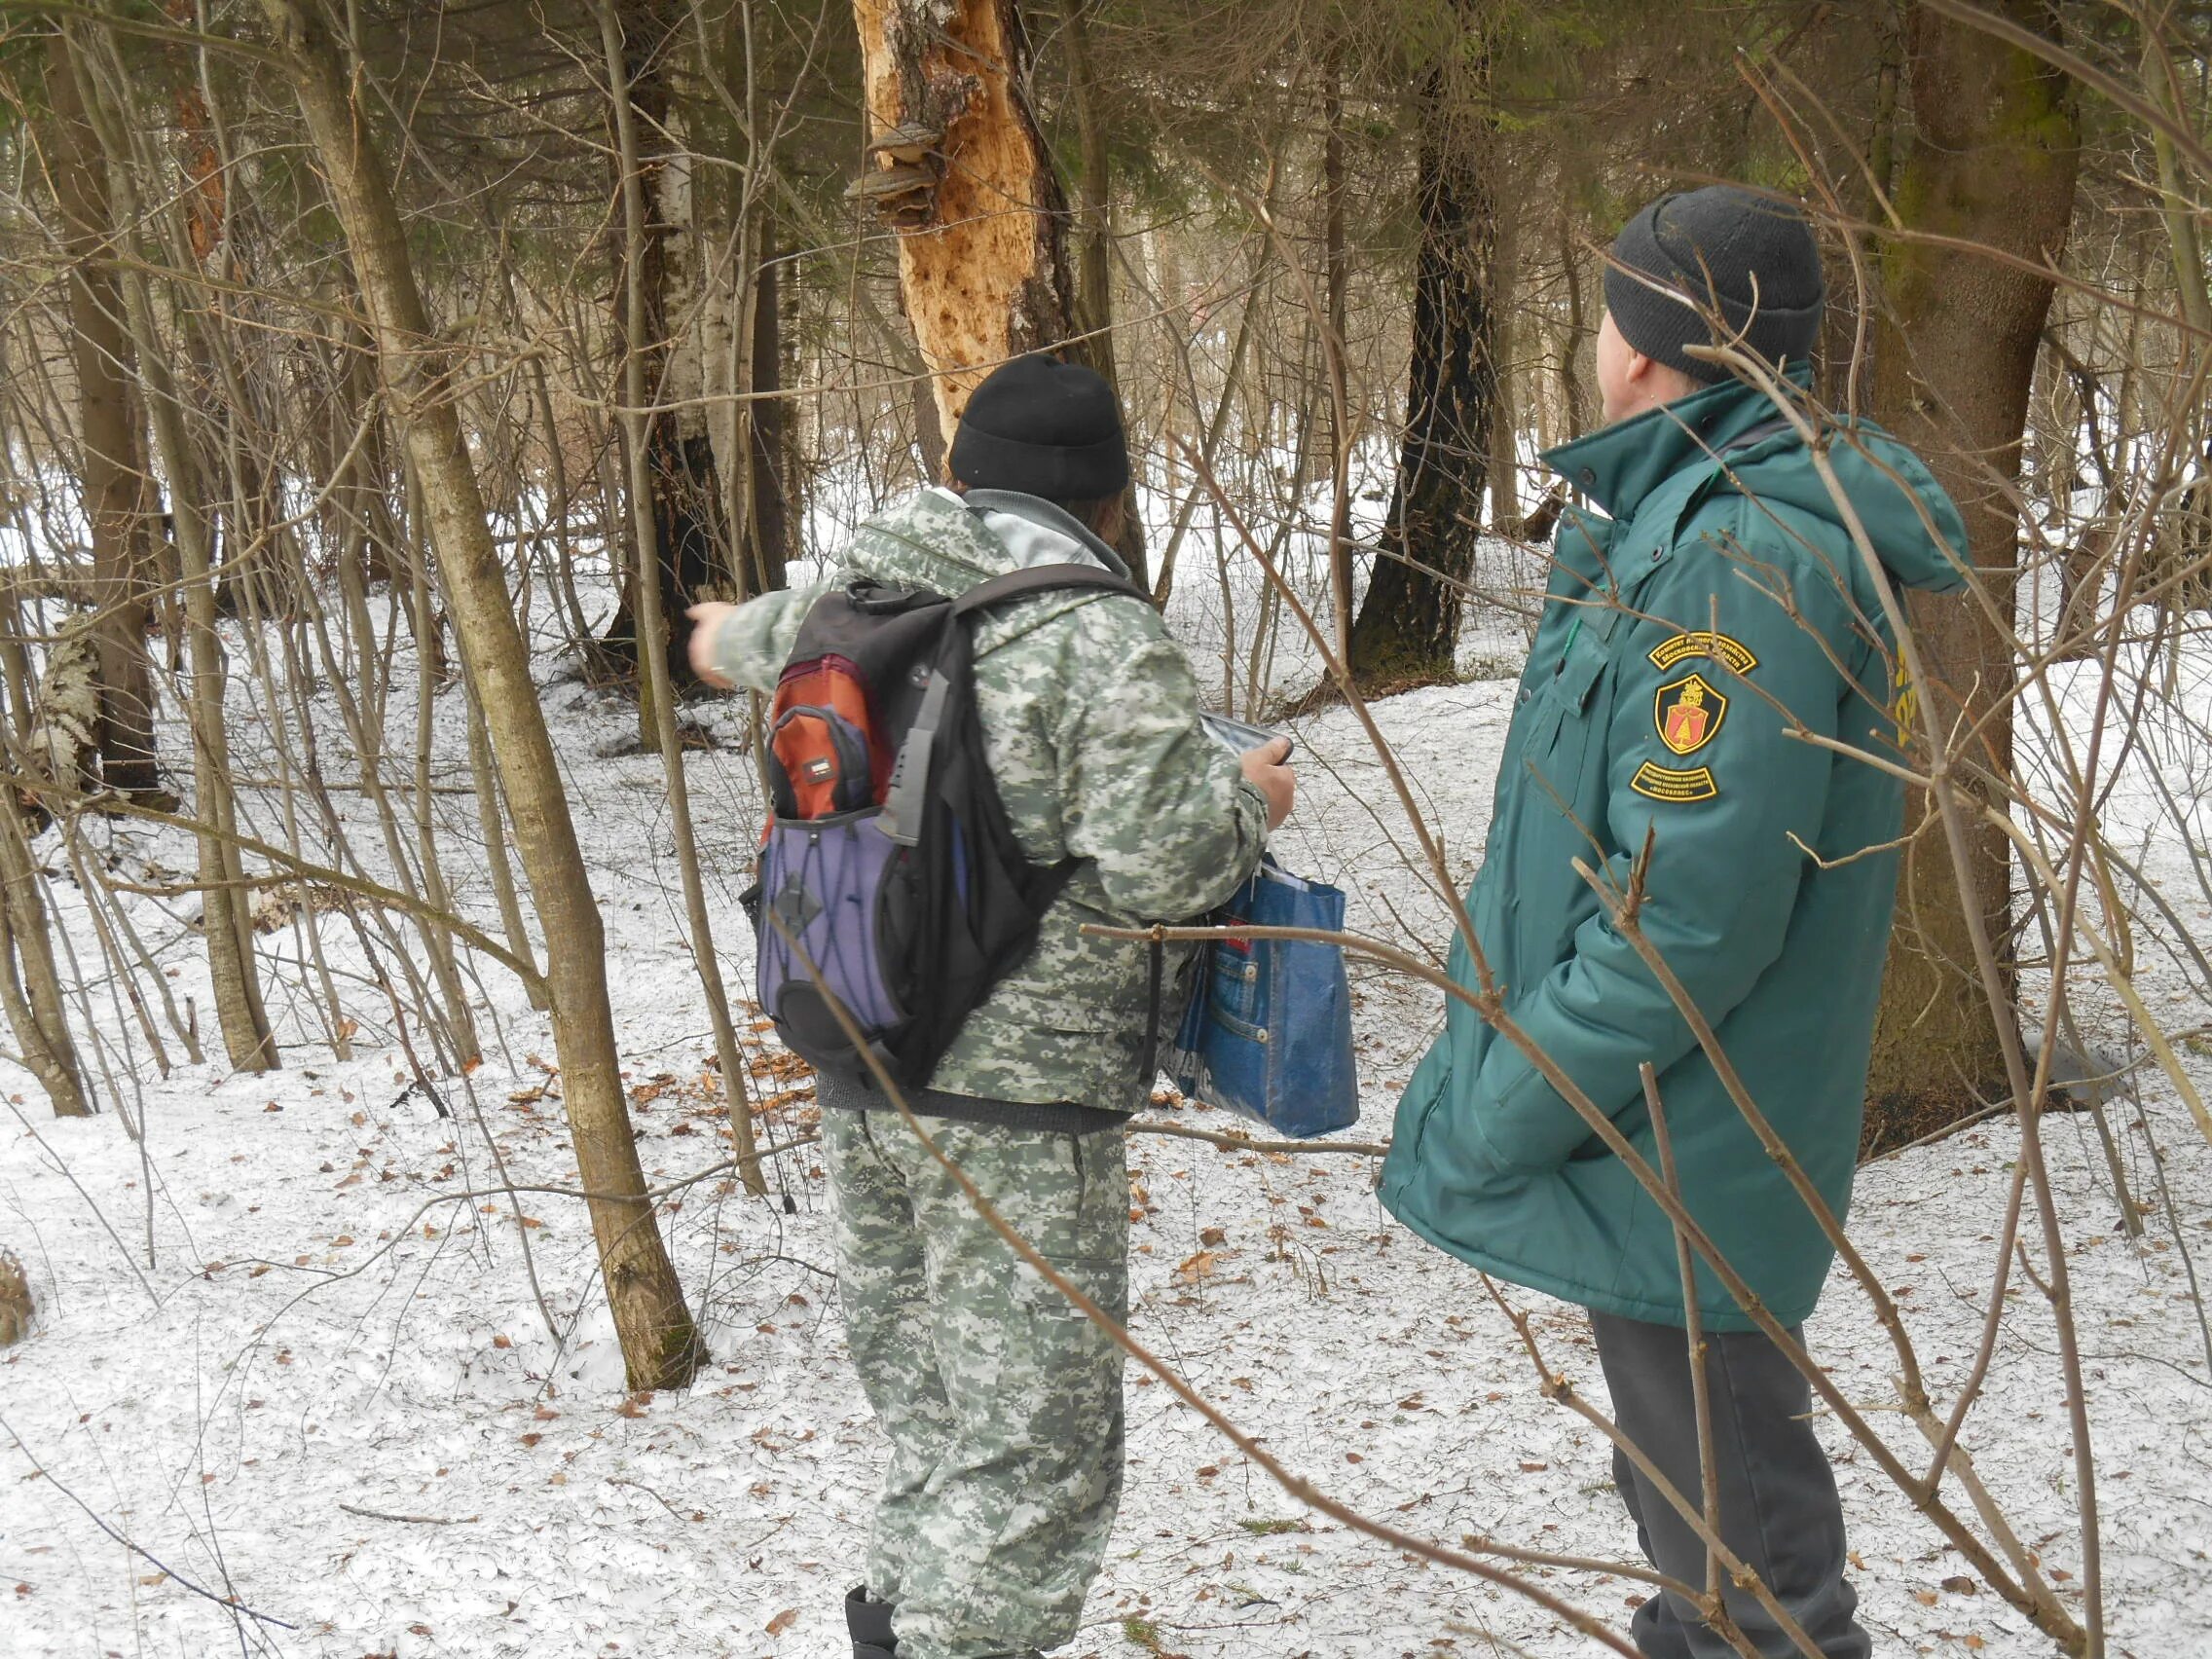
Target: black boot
{"x":870,"y":1625}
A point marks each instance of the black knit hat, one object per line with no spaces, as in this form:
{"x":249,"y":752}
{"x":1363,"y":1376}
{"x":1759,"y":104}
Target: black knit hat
{"x":1044,"y":428}
{"x":1748,"y":256}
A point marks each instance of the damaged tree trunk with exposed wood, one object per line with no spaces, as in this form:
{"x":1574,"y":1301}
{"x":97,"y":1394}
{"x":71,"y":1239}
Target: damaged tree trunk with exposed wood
{"x":960,"y":169}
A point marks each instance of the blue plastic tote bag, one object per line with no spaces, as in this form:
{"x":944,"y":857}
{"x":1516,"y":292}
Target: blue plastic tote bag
{"x":1267,"y":1030}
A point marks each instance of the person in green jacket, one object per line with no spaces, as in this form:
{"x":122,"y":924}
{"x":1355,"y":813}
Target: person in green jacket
{"x":1001,"y":1402}
{"x":1707,"y":636}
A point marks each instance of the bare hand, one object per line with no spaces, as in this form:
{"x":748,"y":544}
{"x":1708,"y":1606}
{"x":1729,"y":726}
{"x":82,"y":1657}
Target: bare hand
{"x":707,"y":619}
{"x":1270,"y":774}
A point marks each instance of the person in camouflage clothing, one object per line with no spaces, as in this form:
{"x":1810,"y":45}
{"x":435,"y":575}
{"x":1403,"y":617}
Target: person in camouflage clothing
{"x":1002,"y":1403}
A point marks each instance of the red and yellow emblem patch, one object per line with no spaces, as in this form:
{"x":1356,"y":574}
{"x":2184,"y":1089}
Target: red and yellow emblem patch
{"x":1689,"y":713}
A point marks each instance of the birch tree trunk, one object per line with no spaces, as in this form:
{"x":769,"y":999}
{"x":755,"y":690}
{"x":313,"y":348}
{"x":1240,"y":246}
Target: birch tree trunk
{"x":117,"y":487}
{"x":983,"y":265}
{"x":675,"y":542}
{"x":1992,"y":164}
{"x":660,"y":1343}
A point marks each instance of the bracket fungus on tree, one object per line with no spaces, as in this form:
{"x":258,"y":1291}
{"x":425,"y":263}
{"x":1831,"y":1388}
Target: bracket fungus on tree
{"x":900,"y":184}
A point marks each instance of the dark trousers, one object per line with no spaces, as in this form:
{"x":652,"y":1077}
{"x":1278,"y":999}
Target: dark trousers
{"x":1779,"y":1510}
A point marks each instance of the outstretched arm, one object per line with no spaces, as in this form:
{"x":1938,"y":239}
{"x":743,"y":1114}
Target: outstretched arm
{"x":748,"y":644}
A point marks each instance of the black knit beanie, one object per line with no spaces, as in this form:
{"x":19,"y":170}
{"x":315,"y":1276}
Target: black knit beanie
{"x":1748,"y":256}
{"x":1044,"y":428}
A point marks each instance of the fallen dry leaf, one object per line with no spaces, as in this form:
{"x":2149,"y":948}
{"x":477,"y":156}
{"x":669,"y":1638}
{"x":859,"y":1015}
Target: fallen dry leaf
{"x":1193,"y":1268}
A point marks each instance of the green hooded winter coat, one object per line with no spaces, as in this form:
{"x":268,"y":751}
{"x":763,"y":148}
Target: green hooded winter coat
{"x":1720,"y":608}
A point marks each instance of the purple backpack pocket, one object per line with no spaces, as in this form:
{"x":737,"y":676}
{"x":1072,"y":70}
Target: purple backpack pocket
{"x":825,"y":887}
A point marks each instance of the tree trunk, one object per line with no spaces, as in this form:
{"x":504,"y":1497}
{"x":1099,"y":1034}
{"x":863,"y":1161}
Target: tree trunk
{"x":654,"y":671}
{"x":1504,"y":435}
{"x":1337,"y":282}
{"x":766,"y":540}
{"x":1847,"y":324}
{"x":117,"y":487}
{"x":983,"y":263}
{"x":1093,"y":313}
{"x":360,"y":528}
{"x":243,"y":1019}
{"x":1409,"y":623}
{"x":1574,"y":400}
{"x":32,"y":996}
{"x":739,"y":333}
{"x":660,"y":1344}
{"x":1992,"y":163}
{"x":679,"y":460}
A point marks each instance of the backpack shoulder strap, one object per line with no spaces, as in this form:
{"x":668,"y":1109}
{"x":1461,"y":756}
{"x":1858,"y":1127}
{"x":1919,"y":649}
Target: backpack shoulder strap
{"x":1044,"y":578}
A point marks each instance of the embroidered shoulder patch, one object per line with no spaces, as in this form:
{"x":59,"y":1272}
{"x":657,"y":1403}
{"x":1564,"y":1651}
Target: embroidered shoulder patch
{"x":1687,"y":712}
{"x":1732,"y":654}
{"x":1667,"y":783}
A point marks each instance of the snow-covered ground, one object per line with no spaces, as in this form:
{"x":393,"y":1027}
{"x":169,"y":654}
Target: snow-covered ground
{"x":301,"y":1345}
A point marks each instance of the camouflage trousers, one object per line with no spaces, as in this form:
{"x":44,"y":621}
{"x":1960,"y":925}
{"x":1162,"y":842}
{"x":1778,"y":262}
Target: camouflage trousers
{"x":1002,"y":1403}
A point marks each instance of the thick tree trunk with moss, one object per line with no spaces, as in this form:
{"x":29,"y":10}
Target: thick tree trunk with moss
{"x":1409,"y":623}
{"x":1992,"y":163}
{"x":982,"y":262}
{"x":660,"y":1343}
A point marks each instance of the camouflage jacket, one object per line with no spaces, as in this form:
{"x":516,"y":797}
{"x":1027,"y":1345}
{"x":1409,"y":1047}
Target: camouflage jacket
{"x":1090,"y":722}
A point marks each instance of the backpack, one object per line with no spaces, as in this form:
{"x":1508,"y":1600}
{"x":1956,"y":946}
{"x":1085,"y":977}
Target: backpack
{"x":891,"y":886}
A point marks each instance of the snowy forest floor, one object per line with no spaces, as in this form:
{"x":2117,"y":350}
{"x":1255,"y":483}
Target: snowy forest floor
{"x":291,"y":1347}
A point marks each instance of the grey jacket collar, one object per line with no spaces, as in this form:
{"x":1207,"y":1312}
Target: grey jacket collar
{"x":1057,"y":523}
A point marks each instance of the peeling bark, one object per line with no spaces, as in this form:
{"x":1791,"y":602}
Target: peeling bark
{"x":986,"y":277}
